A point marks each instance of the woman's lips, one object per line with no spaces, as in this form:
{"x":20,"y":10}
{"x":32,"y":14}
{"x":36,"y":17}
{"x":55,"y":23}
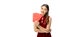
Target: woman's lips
{"x":42,"y":12}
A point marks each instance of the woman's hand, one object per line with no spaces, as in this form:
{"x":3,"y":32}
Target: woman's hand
{"x":36,"y":23}
{"x":48,"y":31}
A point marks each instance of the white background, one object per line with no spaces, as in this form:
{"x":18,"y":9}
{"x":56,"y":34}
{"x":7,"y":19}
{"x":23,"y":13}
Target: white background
{"x":16,"y":17}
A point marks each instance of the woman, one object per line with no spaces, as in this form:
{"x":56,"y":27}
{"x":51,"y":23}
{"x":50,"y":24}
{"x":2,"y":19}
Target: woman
{"x":43,"y":25}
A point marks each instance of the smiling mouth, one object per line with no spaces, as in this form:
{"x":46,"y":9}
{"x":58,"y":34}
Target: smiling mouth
{"x":42,"y":12}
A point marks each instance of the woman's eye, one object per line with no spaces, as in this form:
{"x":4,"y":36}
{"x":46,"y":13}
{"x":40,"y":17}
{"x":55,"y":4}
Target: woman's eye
{"x":45,"y":9}
{"x":41,"y":8}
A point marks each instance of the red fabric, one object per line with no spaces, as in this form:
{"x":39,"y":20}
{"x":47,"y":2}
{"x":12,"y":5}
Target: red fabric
{"x":36,"y":17}
{"x":44,"y":35}
{"x":43,"y":24}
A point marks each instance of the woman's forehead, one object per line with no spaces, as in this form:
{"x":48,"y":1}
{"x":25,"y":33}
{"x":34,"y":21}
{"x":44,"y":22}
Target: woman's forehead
{"x":44,"y":7}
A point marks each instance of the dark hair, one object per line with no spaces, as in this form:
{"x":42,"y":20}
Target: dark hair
{"x":46,"y":6}
{"x":46,"y":15}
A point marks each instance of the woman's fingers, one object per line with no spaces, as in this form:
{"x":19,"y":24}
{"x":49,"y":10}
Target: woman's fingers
{"x":36,"y":23}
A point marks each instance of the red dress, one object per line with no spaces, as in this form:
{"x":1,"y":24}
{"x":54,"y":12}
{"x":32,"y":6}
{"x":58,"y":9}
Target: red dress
{"x":43,"y":24}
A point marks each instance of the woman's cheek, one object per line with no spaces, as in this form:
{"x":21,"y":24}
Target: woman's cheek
{"x":45,"y":12}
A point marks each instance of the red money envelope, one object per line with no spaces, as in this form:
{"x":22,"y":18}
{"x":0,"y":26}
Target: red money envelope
{"x":36,"y":17}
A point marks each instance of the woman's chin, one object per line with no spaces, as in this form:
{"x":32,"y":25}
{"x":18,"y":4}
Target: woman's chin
{"x":42,"y":14}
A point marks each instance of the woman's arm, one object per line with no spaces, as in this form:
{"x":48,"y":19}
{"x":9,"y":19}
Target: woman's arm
{"x":38,"y":30}
{"x":47,"y":29}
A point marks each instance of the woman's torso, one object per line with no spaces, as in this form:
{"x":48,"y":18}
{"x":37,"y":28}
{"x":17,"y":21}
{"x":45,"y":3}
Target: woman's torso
{"x":42,"y":22}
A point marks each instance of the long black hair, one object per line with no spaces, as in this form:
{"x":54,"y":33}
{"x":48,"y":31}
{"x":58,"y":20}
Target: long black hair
{"x":47,"y":13}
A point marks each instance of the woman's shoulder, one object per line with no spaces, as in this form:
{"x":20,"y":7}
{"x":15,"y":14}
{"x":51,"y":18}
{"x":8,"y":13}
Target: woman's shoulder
{"x":50,"y":18}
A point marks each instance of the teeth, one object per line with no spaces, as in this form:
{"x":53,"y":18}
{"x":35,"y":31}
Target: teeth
{"x":42,"y":12}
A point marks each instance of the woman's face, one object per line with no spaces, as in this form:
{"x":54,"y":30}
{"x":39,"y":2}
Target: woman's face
{"x":43,"y":10}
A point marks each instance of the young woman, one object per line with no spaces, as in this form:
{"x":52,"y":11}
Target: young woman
{"x":43,"y":25}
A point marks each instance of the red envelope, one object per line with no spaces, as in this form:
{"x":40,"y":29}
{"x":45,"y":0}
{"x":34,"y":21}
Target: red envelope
{"x":36,"y":17}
